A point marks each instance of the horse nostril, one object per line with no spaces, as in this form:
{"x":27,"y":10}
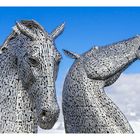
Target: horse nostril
{"x":43,"y":113}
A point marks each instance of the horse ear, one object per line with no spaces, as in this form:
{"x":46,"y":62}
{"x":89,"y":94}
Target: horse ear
{"x":71,"y":54}
{"x":54,"y":34}
{"x":24,"y":30}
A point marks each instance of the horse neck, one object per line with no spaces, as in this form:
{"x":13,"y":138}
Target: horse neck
{"x":78,"y":85}
{"x":8,"y":73}
{"x":16,"y":112}
{"x":77,"y":82}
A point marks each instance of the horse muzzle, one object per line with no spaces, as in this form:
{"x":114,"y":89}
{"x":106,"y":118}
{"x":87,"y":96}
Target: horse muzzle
{"x":47,"y":118}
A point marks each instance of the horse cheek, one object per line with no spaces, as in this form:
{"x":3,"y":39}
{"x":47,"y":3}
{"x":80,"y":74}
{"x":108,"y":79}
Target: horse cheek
{"x":25,"y":74}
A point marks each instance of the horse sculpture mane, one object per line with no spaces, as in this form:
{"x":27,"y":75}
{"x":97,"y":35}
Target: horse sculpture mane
{"x":29,"y":64}
{"x":86,"y":107}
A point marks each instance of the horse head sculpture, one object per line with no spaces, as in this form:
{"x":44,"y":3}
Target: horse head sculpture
{"x":34,"y":61}
{"x":86,"y":107}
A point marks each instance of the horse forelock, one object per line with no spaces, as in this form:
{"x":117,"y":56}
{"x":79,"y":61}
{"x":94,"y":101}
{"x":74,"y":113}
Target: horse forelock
{"x":31,"y":24}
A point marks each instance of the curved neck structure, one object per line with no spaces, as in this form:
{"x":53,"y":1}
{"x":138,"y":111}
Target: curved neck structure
{"x":86,"y":107}
{"x":17,"y":112}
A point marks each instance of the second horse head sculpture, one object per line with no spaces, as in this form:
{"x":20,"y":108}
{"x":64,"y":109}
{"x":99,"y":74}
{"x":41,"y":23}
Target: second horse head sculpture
{"x":86,"y":107}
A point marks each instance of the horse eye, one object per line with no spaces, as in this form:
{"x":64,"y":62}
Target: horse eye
{"x":4,"y":49}
{"x":33,"y":61}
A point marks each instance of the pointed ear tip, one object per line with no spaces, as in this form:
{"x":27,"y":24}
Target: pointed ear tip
{"x":63,"y":24}
{"x":64,"y":50}
{"x":16,"y":22}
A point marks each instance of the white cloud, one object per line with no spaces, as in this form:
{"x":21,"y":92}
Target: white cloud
{"x":125,"y":93}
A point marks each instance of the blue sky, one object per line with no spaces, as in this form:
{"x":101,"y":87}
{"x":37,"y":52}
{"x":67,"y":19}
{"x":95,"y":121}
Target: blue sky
{"x":85,"y":27}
